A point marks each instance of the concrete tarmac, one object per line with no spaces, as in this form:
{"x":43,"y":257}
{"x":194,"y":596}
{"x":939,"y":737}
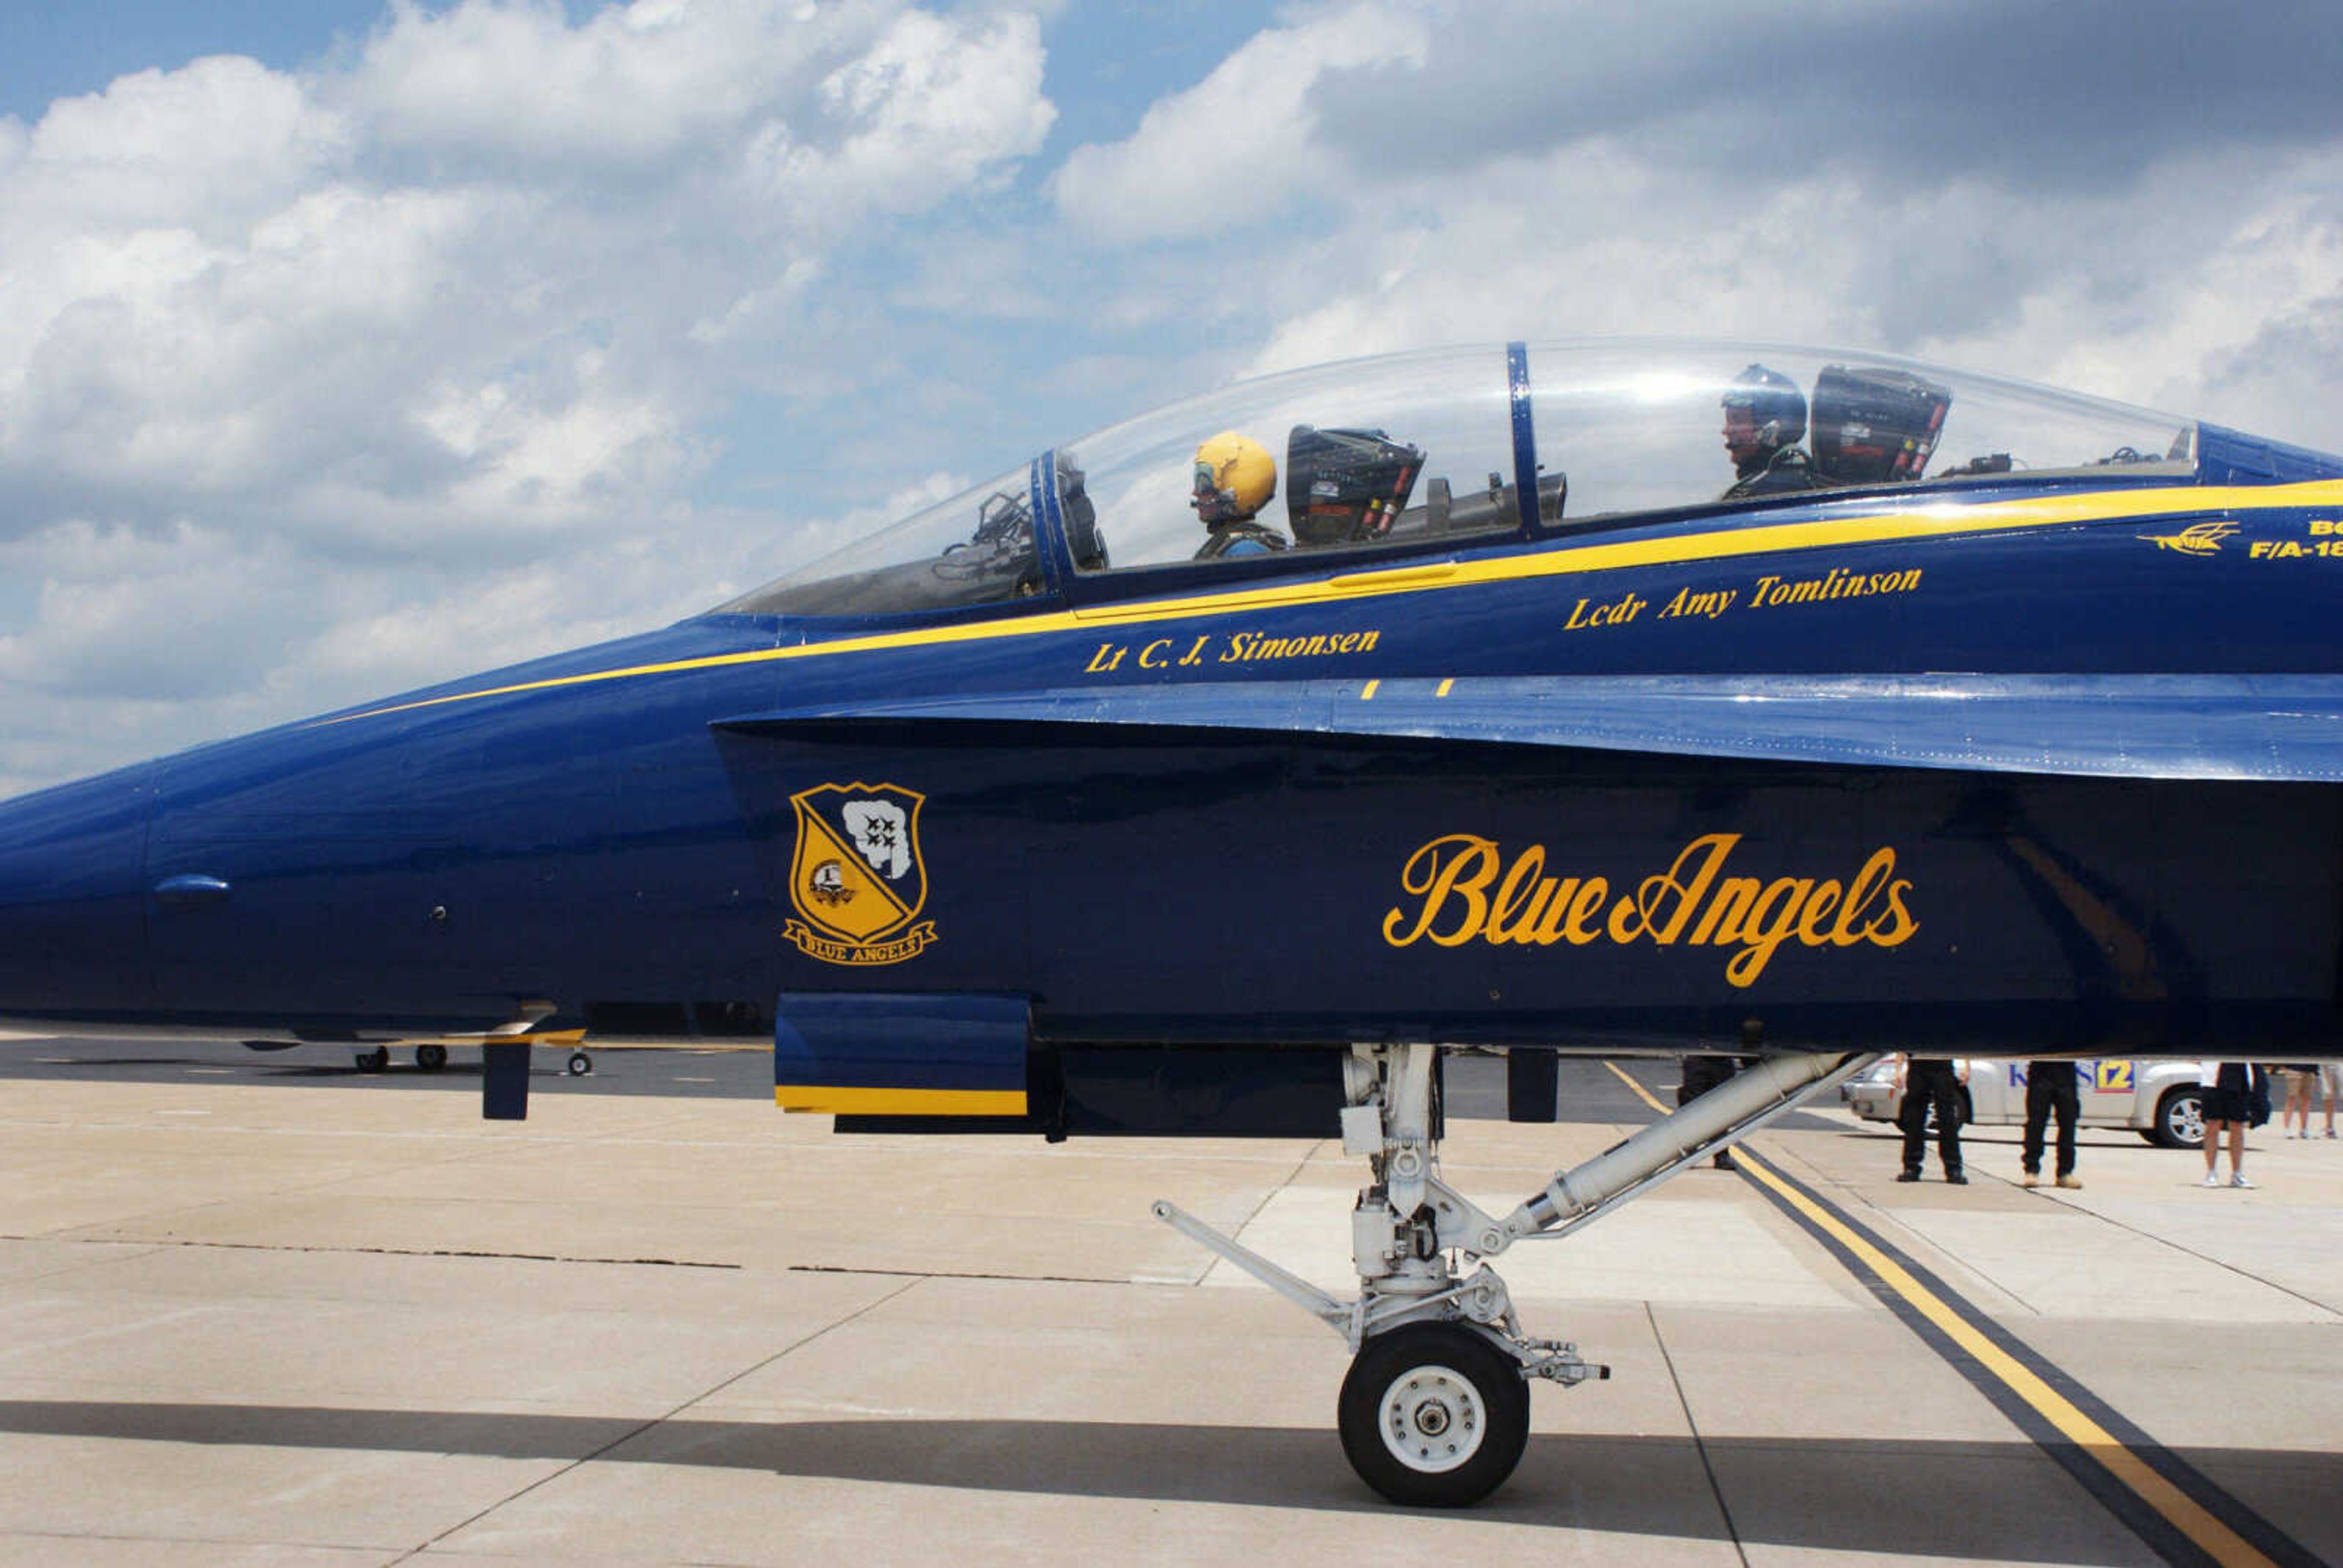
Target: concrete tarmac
{"x":247,"y":1322}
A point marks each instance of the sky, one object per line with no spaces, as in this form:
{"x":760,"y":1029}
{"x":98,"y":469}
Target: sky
{"x":349,"y":346}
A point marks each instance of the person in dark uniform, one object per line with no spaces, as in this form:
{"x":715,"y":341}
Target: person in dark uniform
{"x":1765,"y":421}
{"x":2050,"y":1089}
{"x":1930,"y":1082}
{"x":1695,"y":1076}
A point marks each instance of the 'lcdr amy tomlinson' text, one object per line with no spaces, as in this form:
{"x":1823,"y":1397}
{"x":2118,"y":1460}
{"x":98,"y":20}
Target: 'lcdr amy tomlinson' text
{"x":1464,"y":889}
{"x":1765,"y":593}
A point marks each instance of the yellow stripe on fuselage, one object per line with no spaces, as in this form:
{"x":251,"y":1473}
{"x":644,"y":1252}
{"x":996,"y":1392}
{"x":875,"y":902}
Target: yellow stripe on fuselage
{"x":1926,"y":522}
{"x":823,"y":1100}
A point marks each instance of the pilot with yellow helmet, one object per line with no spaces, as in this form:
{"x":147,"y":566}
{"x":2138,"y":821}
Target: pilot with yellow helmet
{"x":1235,"y":477}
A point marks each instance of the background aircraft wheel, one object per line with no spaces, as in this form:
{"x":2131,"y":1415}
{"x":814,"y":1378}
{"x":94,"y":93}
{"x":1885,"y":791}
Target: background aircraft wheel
{"x":1433,"y":1416}
{"x":430,"y":1058}
{"x":580,"y":1064}
{"x":374,"y":1061}
{"x":2179,"y":1118}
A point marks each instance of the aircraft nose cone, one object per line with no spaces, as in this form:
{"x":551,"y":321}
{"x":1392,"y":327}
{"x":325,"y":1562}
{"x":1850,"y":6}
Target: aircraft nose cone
{"x":71,"y":911}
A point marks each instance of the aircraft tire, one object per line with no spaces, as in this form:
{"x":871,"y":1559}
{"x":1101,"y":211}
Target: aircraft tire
{"x":580,"y":1064}
{"x":1434,"y":1415}
{"x":374,"y":1061}
{"x":431,"y":1058}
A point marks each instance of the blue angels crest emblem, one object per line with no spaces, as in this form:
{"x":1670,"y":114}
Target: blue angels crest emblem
{"x":856,"y":875}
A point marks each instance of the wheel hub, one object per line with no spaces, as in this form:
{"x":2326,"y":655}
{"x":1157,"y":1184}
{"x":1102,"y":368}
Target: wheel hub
{"x":1433,"y":1419}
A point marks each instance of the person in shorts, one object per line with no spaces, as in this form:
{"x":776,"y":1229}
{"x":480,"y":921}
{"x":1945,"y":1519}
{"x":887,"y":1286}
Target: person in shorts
{"x":2228,"y":1092}
{"x":2301,"y":1089}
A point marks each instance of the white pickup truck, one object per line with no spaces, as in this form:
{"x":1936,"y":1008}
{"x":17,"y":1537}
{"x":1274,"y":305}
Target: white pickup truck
{"x":2158,"y":1099}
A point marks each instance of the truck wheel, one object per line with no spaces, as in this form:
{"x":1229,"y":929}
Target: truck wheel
{"x":2179,"y":1118}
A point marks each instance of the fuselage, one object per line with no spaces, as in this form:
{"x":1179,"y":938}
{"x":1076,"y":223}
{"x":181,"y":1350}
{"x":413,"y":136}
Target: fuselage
{"x":623,"y":831}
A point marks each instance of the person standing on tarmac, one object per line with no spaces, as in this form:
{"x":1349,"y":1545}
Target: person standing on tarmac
{"x":1930,"y":1082}
{"x":2228,"y":1090}
{"x":2301,"y":1091}
{"x":2050,"y":1088}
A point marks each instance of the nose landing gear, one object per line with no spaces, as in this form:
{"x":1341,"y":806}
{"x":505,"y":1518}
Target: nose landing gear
{"x":1434,"y":1411}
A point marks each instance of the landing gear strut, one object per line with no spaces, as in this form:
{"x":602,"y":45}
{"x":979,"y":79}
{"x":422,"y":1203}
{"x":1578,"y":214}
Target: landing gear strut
{"x":1435,"y":1410}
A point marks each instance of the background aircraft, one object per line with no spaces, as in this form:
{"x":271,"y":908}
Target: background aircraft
{"x":431,"y":1055}
{"x":1610,"y":698}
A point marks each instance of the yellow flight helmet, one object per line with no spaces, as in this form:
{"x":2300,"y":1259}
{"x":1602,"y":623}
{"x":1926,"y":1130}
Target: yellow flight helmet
{"x":1235,"y":477}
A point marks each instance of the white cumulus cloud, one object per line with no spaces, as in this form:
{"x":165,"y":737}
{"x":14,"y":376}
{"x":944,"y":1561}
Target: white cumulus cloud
{"x":1235,"y":148}
{"x":289,"y":355}
{"x":513,"y":323}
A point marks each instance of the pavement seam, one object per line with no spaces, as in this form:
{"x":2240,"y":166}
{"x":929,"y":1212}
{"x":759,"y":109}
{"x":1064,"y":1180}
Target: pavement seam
{"x":1269,"y":1193}
{"x":1944,"y":1263}
{"x":2188,"y":1252}
{"x":2171,"y":1506}
{"x":119,"y":1538}
{"x":2167,"y":1503}
{"x":1877,"y":1215}
{"x":132,"y":1251}
{"x":144,"y":1246}
{"x":1941,"y":1261}
{"x":469,"y":1151}
{"x":658,"y":1421}
{"x":1913,"y":1234}
{"x":918,"y":1274}
{"x":1700,"y":1445}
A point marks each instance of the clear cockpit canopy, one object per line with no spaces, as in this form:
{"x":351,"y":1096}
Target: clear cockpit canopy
{"x":1644,"y":428}
{"x":977,"y":548}
{"x":1367,"y":452}
{"x":1417,"y":452}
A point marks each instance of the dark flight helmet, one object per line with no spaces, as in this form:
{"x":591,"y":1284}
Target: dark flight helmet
{"x":1777,"y":409}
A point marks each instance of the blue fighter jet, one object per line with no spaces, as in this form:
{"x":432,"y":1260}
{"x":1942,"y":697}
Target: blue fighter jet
{"x":1190,"y":777}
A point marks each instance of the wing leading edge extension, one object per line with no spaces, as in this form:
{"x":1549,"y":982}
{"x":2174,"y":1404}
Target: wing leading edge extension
{"x":2270,"y":728}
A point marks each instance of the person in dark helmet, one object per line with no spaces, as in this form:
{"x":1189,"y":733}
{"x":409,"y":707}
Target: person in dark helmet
{"x":1765,"y":421}
{"x":1235,"y":479}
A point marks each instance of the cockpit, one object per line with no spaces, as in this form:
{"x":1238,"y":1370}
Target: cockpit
{"x":1373,"y":461}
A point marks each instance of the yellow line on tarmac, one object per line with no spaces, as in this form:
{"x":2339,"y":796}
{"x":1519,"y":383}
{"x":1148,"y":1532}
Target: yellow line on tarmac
{"x":2215,"y":1539}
